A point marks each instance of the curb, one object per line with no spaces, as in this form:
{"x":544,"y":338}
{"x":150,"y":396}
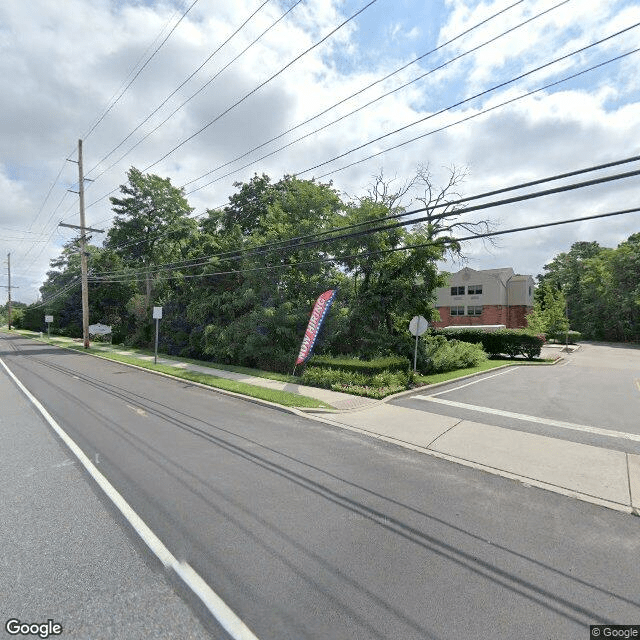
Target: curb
{"x":279,"y":407}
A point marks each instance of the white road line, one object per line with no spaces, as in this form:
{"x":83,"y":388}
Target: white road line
{"x":521,"y":416}
{"x":462,"y":386}
{"x":221,"y":612}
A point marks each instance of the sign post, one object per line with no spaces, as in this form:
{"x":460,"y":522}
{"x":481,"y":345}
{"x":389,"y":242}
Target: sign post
{"x":157,"y":316}
{"x":417,"y":327}
{"x":48,"y":320}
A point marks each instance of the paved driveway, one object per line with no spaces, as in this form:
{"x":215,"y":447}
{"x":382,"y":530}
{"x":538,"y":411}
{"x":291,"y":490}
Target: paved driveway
{"x":591,"y":397}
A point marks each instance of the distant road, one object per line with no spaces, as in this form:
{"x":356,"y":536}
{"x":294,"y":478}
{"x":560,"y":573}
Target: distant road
{"x":310,"y":532}
{"x":597,"y":386}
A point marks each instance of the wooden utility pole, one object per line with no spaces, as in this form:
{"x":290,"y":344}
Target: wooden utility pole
{"x":83,"y":253}
{"x":8,"y":287}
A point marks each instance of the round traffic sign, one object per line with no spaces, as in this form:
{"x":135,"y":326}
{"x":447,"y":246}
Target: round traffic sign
{"x":418,"y":325}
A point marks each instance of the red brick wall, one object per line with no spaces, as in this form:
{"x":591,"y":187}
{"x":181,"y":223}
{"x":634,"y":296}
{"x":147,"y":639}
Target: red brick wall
{"x":511,"y":317}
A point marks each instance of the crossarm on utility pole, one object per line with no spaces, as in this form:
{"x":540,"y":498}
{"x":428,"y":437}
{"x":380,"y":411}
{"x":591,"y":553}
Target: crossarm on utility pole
{"x":83,"y":254}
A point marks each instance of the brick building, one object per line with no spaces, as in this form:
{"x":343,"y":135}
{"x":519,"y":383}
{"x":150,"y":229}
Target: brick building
{"x":488,"y":297}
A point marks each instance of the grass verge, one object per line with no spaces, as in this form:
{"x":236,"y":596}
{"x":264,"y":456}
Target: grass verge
{"x":284,"y":398}
{"x":259,"y":373}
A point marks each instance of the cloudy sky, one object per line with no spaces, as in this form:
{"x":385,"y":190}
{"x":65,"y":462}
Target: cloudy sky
{"x":145,"y":85}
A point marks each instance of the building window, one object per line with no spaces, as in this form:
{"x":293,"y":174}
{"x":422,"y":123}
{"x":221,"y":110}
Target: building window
{"x":474,"y":289}
{"x":457,"y":291}
{"x":474,"y":311}
{"x":457,"y":311}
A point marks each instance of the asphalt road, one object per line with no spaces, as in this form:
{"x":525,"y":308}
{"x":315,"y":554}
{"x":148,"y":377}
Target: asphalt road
{"x":307,"y":531}
{"x":597,"y":386}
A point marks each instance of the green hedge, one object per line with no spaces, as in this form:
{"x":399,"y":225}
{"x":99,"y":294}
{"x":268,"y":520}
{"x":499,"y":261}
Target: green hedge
{"x":373,"y":378}
{"x":510,"y":342}
{"x":366,"y":367}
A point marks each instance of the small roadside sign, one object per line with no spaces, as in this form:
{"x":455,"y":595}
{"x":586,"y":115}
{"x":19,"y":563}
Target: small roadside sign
{"x":417,"y":327}
{"x":48,"y":320}
{"x":157,"y":316}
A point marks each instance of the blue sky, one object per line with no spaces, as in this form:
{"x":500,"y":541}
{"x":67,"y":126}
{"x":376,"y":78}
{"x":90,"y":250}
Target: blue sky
{"x":61,"y":64}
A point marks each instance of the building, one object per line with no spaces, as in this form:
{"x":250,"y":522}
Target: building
{"x":488,"y":297}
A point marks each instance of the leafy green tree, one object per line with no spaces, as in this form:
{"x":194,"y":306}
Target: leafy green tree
{"x":257,"y":311}
{"x":151,"y":229}
{"x":549,"y":312}
{"x":390,"y":284}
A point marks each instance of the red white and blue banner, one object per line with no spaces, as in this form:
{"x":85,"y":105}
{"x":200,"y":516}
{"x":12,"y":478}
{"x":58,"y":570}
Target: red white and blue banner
{"x":320,"y":310}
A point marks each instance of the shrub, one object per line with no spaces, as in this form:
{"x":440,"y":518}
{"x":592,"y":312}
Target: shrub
{"x":373,"y":378}
{"x":447,"y":355}
{"x":510,"y":342}
{"x":368,"y":367}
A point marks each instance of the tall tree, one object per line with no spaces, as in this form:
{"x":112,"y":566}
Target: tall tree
{"x":151,"y":226}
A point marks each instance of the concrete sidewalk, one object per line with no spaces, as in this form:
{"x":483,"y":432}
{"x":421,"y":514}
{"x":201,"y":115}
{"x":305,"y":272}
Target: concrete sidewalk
{"x":342,"y":401}
{"x":601,"y":476}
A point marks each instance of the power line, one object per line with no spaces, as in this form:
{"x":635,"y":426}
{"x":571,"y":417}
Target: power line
{"x":526,"y":94}
{"x":449,"y":203}
{"x":368,"y":104}
{"x":477,"y":114}
{"x":367,"y":254}
{"x":140,"y":59}
{"x":240,"y":254}
{"x":69,"y":287}
{"x":430,"y":116}
{"x":363,"y":89}
{"x":262,"y":84}
{"x":475,"y":96}
{"x":184,"y":82}
{"x":113,"y":104}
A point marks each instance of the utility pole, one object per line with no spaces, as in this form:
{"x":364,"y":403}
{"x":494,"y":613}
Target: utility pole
{"x":8,"y":288}
{"x":83,"y":254}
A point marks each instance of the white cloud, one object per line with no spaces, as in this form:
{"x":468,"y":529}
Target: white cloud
{"x":60,"y":64}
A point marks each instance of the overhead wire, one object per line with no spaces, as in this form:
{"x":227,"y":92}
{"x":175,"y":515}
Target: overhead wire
{"x":182,"y":84}
{"x":367,"y":104}
{"x":238,"y":102}
{"x":111,"y":104}
{"x":361,"y":255}
{"x":524,"y":95}
{"x":142,"y":68}
{"x":482,"y":93}
{"x":142,"y":57}
{"x":262,"y":84}
{"x":296,"y":245}
{"x":404,"y":213}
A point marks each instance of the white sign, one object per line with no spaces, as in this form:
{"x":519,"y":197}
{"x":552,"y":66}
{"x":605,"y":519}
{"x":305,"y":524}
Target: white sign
{"x":99,"y":329}
{"x":418,"y":325}
{"x":48,"y":319}
{"x":157,"y":313}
